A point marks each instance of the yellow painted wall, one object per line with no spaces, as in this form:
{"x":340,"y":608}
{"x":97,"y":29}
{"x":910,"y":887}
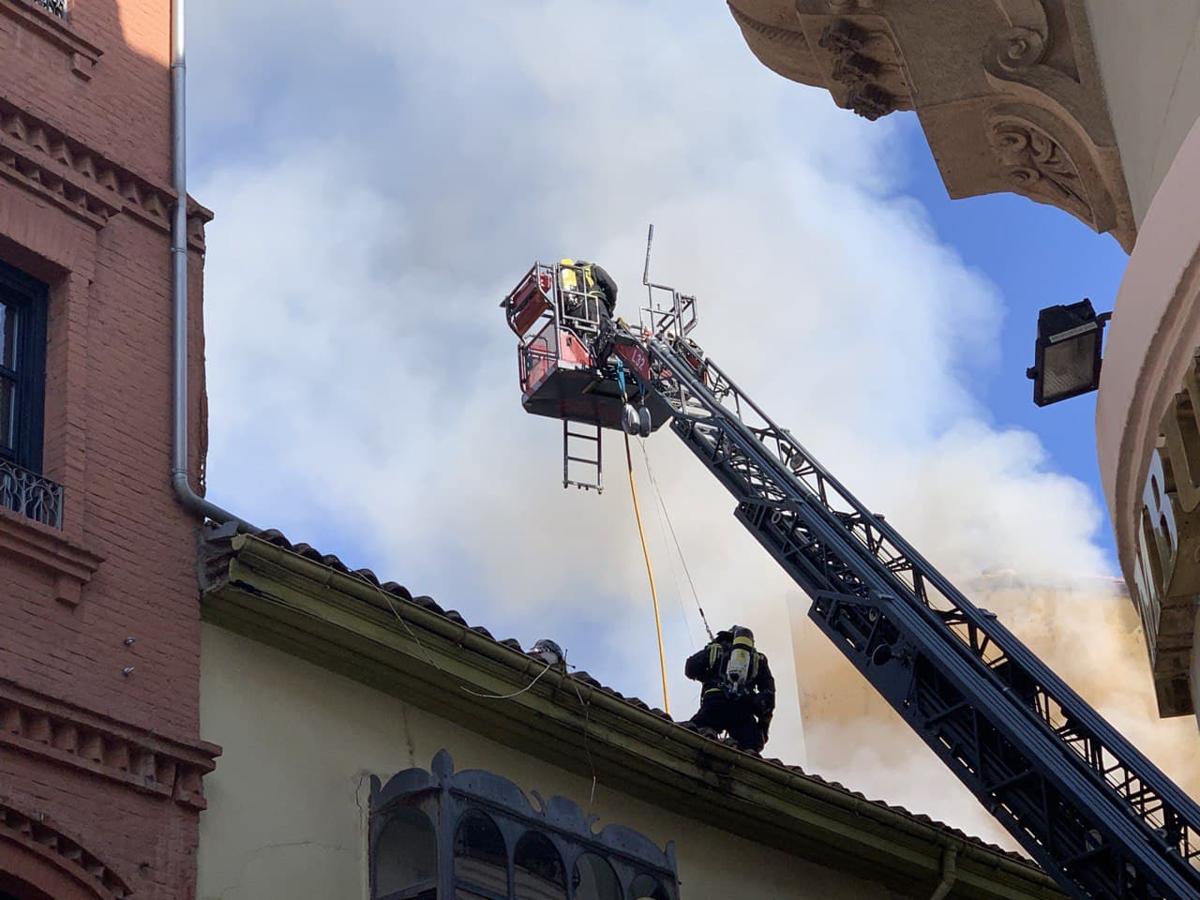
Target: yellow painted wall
{"x":286,"y":804}
{"x":1149,"y":54}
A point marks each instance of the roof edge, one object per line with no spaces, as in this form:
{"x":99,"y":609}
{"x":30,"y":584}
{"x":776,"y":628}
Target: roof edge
{"x":257,"y":573}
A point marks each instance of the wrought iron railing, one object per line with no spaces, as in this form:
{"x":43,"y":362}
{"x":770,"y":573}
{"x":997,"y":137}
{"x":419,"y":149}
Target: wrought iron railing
{"x":58,"y":7}
{"x":30,"y":495}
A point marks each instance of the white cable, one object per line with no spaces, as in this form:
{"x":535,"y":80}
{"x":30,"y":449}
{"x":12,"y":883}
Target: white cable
{"x":678,"y":549}
{"x":514,"y":693}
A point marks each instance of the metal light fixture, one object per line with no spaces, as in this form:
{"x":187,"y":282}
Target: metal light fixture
{"x":1067,"y":353}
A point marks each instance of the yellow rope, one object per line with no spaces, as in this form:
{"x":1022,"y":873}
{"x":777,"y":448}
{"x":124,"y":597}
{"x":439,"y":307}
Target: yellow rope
{"x":637,"y":512}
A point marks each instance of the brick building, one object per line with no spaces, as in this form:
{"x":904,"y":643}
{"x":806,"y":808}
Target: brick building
{"x":100,"y":757}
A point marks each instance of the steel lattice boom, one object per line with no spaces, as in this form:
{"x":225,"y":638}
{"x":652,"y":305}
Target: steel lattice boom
{"x":1079,"y":798}
{"x":1098,"y":816}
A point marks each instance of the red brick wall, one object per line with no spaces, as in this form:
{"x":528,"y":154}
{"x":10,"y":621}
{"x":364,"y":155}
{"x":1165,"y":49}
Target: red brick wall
{"x":106,"y":761}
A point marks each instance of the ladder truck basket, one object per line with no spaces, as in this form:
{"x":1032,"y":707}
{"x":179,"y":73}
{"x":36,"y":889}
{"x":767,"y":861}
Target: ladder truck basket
{"x":570,"y":356}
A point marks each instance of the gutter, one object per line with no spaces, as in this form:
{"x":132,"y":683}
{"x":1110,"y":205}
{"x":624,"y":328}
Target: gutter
{"x":462,"y":636}
{"x":191,"y":501}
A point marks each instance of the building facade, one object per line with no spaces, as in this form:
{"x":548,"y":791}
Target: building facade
{"x":377,"y":745}
{"x":1090,"y":106}
{"x":101,"y":764}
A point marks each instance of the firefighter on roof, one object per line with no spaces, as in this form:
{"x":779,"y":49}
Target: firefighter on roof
{"x":738,"y":693}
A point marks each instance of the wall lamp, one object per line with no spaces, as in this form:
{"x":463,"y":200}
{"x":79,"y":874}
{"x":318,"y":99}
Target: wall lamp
{"x":1067,"y":353}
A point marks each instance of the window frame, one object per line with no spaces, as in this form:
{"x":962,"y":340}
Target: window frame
{"x":448,"y":798}
{"x":29,"y":299}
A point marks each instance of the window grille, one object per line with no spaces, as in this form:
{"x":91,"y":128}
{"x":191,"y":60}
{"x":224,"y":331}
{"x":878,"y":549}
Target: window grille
{"x":57,"y":7}
{"x":492,"y":844}
{"x":23,"y":489}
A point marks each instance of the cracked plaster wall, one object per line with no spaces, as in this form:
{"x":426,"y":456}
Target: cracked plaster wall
{"x":286,"y":804}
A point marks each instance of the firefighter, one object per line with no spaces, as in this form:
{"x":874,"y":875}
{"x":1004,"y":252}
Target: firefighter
{"x":597,"y":282}
{"x":738,"y":693}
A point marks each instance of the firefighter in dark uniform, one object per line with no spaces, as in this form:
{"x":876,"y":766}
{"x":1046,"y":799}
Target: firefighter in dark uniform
{"x":738,"y":693}
{"x":596,"y":283}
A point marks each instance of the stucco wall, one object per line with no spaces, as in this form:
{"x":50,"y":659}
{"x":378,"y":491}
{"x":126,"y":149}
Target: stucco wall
{"x":286,"y":814}
{"x":1149,"y":54}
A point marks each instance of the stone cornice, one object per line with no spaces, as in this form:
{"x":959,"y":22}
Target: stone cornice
{"x":45,"y":160}
{"x":47,"y":548}
{"x":82,"y":55}
{"x":58,"y":732}
{"x":64,"y":852}
{"x":1008,"y":91}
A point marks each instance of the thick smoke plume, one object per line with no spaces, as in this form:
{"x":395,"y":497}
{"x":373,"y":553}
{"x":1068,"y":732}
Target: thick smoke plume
{"x":383,"y":176}
{"x":1087,"y":632}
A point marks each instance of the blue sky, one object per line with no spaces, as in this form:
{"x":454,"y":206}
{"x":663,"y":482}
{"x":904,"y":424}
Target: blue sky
{"x":1037,"y":256}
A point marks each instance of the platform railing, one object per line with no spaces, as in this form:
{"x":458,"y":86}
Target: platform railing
{"x":30,"y":495}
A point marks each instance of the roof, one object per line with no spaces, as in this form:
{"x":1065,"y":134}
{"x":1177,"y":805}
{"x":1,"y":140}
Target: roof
{"x":246,"y":583}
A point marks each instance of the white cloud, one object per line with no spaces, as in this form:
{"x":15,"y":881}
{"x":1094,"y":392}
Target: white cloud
{"x":396,"y":169}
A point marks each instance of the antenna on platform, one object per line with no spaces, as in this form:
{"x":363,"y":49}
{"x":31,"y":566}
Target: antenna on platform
{"x":649,"y":242}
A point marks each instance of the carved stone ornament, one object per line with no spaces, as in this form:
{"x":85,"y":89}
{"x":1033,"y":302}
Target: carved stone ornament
{"x":1037,"y":165}
{"x":964,"y":70}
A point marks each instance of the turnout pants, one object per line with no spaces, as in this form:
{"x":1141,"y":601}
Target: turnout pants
{"x":735,"y":716}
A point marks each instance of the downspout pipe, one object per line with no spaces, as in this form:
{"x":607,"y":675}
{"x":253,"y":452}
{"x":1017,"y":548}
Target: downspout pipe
{"x":191,"y":501}
{"x":949,"y":873}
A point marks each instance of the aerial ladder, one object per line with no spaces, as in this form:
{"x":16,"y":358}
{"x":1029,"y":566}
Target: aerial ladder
{"x":1094,"y":812}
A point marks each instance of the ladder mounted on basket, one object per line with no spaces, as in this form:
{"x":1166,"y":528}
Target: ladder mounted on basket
{"x":583,"y":463}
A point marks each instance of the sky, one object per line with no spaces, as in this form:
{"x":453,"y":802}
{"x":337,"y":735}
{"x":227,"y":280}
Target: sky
{"x":382,"y":177}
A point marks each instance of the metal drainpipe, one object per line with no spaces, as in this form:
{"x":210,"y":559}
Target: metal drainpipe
{"x":179,"y":283}
{"x":949,"y":873}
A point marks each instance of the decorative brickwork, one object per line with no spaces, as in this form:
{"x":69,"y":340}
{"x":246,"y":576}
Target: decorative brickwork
{"x":82,"y":181}
{"x":100,"y":754}
{"x":46,"y":843}
{"x":141,"y":760}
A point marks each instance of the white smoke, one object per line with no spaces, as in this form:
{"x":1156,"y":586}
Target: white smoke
{"x":383,"y":176}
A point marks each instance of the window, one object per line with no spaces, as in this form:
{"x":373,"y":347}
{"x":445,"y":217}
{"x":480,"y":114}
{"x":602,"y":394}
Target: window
{"x":474,"y":835}
{"x":646,"y":887}
{"x":406,"y":860}
{"x":480,"y":859}
{"x":539,"y":870}
{"x":594,"y":879}
{"x":22,"y":368}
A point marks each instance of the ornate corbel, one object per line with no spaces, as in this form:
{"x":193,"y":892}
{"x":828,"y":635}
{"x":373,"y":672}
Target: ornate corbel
{"x":1008,"y":91}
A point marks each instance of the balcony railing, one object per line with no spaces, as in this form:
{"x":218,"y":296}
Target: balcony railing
{"x":58,"y":7}
{"x":30,"y":495}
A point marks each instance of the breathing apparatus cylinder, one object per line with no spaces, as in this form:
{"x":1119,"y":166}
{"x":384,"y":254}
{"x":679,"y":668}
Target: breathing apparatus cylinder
{"x":739,"y":668}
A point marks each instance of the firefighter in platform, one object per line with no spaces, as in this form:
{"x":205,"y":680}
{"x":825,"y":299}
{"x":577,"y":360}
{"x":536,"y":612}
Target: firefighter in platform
{"x":597,"y":283}
{"x":738,"y":693}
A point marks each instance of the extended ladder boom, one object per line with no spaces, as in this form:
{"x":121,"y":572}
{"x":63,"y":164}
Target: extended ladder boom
{"x":1094,"y":812}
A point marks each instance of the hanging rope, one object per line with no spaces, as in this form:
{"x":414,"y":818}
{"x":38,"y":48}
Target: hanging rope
{"x":637,"y":512}
{"x":678,"y":549}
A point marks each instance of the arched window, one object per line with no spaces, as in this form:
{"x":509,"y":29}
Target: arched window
{"x":594,"y":879}
{"x":540,"y":873}
{"x":406,"y":858}
{"x":480,"y":858}
{"x":646,"y":887}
